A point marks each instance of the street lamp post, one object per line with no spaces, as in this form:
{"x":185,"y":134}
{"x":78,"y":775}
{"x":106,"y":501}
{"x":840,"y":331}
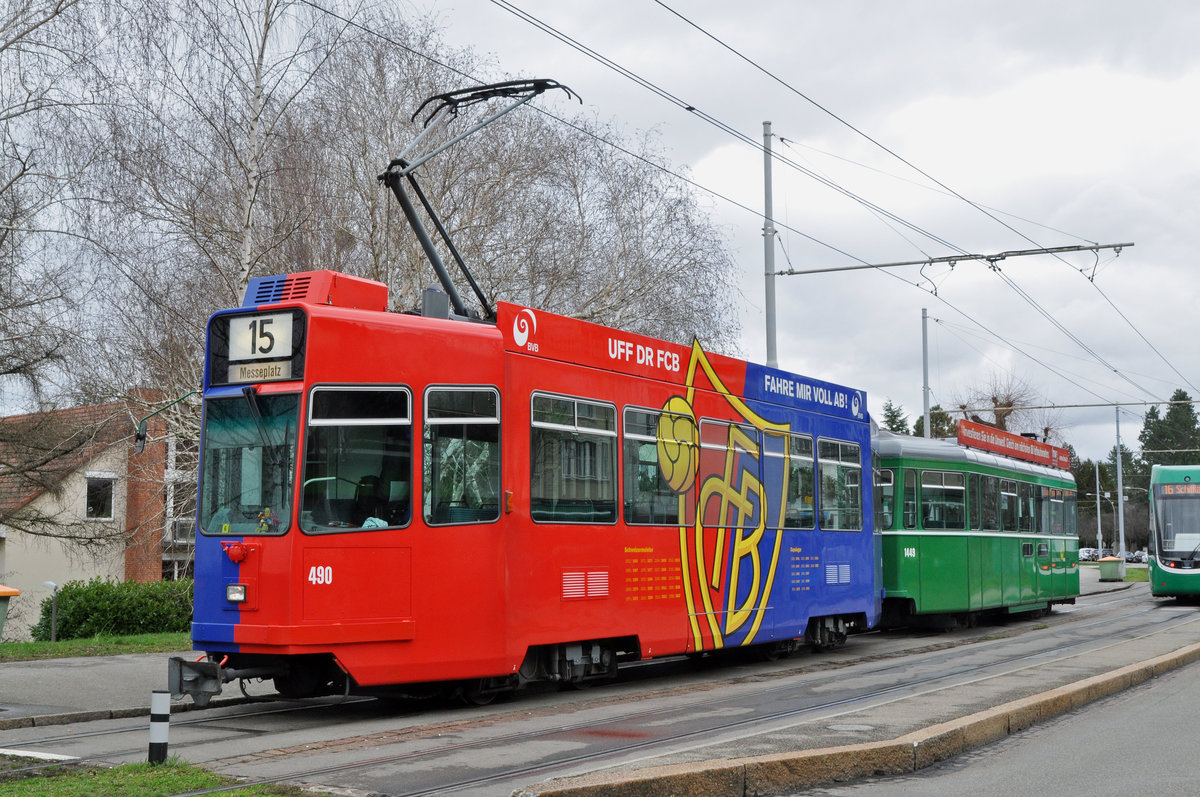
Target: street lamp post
{"x":50,"y":585}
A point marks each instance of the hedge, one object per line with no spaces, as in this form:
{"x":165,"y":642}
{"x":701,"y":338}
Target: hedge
{"x":112,"y":608}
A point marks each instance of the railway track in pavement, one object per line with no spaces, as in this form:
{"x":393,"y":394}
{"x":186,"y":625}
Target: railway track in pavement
{"x":670,"y":710}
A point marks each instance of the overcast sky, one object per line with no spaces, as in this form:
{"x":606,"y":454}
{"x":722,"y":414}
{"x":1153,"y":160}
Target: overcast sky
{"x":1072,"y":122}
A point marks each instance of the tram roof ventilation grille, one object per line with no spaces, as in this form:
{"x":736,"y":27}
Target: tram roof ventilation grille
{"x":317,"y":287}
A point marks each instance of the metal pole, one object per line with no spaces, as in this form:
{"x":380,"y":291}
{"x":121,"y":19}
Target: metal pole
{"x":925,"y":363}
{"x":1120,"y":498}
{"x":395,"y":181}
{"x":160,"y":725}
{"x":769,"y":247}
{"x":1099,"y":533}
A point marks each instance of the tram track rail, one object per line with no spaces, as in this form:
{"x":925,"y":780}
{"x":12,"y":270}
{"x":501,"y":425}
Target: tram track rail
{"x":1085,"y":633}
{"x":901,"y":691}
{"x":1076,"y":636}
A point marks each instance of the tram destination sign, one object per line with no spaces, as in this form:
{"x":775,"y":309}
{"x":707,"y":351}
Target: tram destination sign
{"x":1179,"y":489}
{"x":258,"y":347}
{"x":998,"y":441}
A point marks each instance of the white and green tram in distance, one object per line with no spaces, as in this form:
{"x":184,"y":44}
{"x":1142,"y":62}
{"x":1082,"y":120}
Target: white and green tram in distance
{"x":968,"y":532}
{"x":1175,"y":531}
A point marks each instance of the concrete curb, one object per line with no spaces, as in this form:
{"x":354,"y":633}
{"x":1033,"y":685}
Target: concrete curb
{"x":92,"y":715}
{"x":782,"y":773}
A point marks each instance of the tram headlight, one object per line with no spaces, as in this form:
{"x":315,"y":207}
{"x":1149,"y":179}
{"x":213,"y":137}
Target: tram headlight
{"x":235,"y":593}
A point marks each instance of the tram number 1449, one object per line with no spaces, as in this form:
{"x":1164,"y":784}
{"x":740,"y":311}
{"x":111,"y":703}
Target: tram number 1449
{"x":910,"y":553}
{"x":320,"y":574}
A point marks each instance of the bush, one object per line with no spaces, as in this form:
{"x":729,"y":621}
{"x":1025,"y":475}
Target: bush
{"x":110,"y":608}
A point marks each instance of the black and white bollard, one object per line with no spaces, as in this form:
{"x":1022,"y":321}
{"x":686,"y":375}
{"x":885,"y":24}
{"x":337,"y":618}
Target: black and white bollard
{"x":160,"y":725}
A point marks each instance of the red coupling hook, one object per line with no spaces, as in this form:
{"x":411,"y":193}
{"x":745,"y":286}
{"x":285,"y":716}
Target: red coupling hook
{"x":236,"y":551}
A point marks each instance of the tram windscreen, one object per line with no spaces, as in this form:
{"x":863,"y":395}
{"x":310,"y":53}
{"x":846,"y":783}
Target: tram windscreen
{"x":1177,"y":521}
{"x":249,"y":461}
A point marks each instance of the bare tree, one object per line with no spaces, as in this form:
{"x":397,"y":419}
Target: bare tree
{"x":43,"y":63}
{"x":546,"y":212}
{"x":1008,"y":402}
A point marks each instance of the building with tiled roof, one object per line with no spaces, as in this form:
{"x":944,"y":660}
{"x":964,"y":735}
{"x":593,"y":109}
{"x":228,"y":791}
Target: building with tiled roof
{"x":77,"y":503}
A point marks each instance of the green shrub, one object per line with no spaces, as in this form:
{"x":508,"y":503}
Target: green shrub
{"x":110,"y":608}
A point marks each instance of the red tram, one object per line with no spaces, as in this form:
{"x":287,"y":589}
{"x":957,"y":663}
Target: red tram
{"x":390,"y":498}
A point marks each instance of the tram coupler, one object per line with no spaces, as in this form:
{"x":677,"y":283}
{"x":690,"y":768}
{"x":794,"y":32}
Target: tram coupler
{"x":203,"y":679}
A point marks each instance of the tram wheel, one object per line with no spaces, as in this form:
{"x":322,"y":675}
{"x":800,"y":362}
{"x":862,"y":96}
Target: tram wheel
{"x":475,"y":694}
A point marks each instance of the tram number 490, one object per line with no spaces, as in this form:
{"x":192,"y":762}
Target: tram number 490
{"x":320,"y":574}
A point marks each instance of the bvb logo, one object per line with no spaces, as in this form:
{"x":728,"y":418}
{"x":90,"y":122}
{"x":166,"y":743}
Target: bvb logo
{"x":677,"y":441}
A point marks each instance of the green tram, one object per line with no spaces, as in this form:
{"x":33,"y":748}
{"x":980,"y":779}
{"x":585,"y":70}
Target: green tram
{"x":968,"y":532}
{"x":1175,"y":530}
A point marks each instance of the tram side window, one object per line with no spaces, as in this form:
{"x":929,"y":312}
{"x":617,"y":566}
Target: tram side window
{"x":976,"y":504}
{"x":1026,"y":511}
{"x":461,"y":463}
{"x":943,"y":500}
{"x":990,"y":499}
{"x":734,"y":449}
{"x":910,"y":499}
{"x":1070,"y":519}
{"x":790,"y":457}
{"x":1008,"y":505}
{"x":840,"y":468}
{"x":886,"y":498}
{"x":660,"y":454}
{"x":1056,"y":516}
{"x":573,"y":461}
{"x":358,"y":459}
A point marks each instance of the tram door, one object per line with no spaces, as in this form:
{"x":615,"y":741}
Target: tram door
{"x":1045,"y":571}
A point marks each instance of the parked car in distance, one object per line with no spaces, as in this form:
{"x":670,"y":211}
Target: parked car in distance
{"x":1088,"y":554}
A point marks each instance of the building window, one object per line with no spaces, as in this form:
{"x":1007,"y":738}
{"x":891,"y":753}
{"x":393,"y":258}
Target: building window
{"x":100,"y":497}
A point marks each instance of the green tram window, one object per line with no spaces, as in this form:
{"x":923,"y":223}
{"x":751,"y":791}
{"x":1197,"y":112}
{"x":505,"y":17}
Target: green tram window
{"x":840,"y":468}
{"x":357,"y":459}
{"x":974,"y":496}
{"x":1026,"y":510}
{"x":573,"y":460}
{"x":910,"y":499}
{"x":885,"y":501}
{"x":990,"y":500}
{"x":1055,"y":514}
{"x":461,"y":462}
{"x":1176,"y":520}
{"x":1070,"y":518}
{"x":1008,"y":505}
{"x":943,"y":500}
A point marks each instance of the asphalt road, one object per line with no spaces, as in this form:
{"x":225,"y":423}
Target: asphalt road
{"x":1141,"y":742}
